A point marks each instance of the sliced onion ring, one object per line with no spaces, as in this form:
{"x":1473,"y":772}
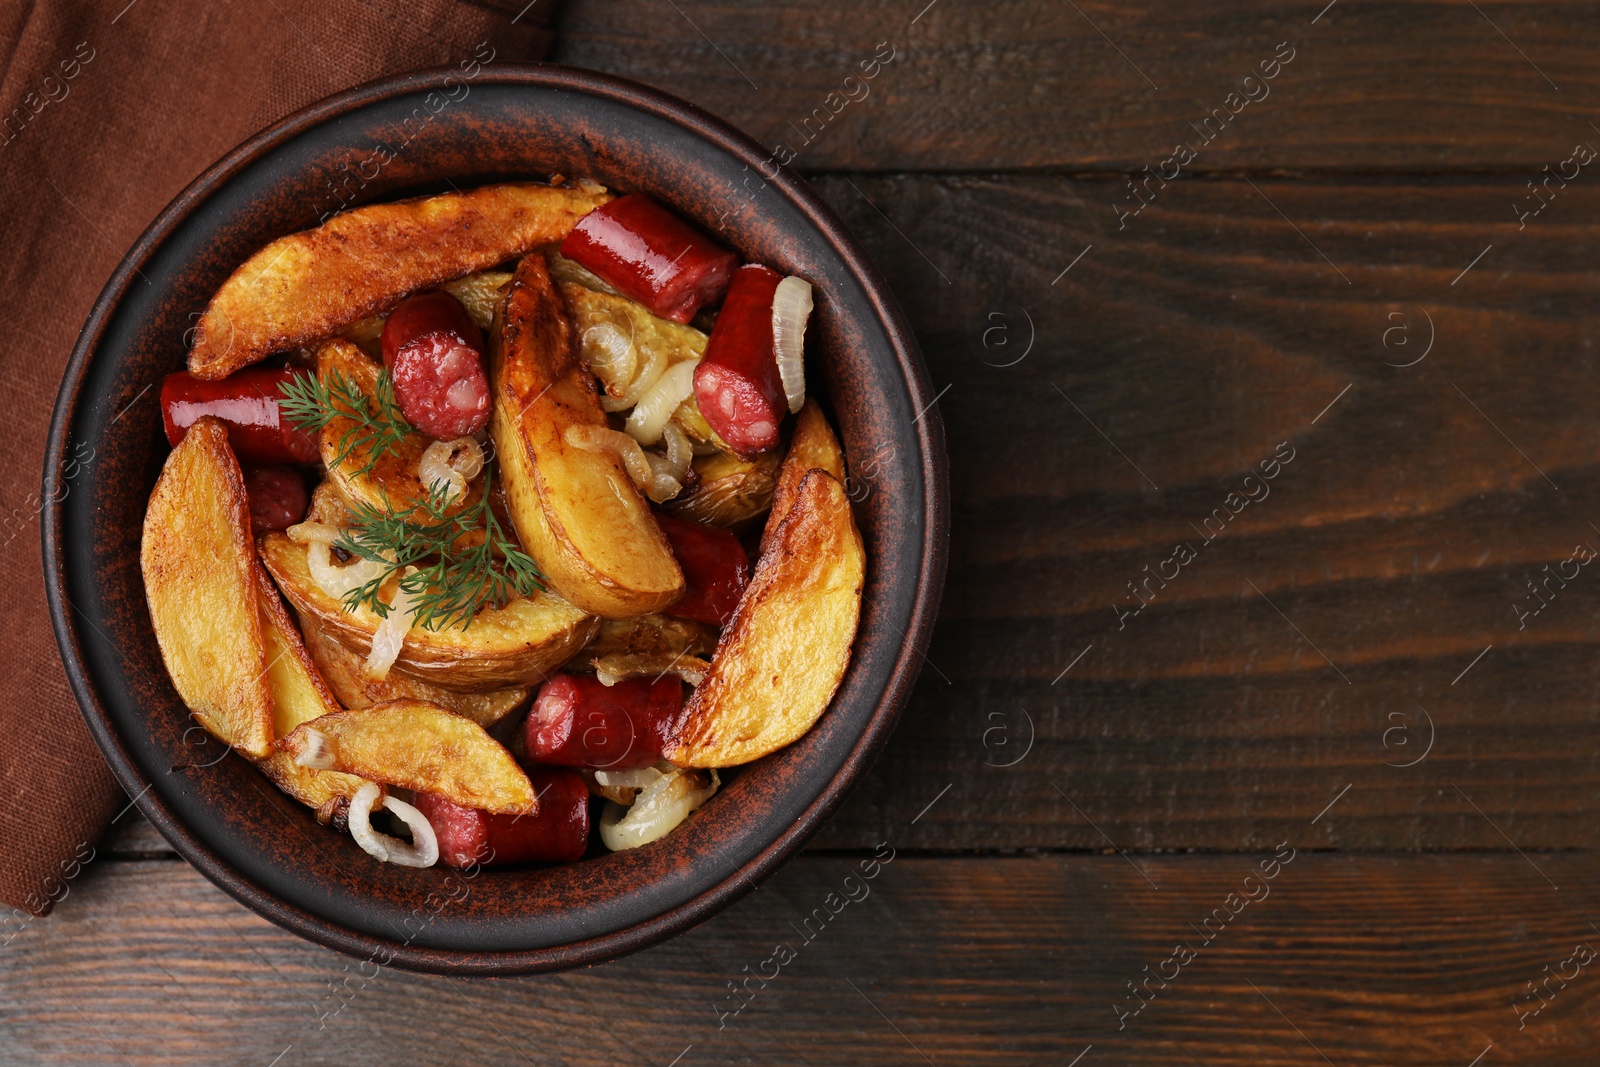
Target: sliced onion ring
{"x":654,"y":409}
{"x":318,"y":753}
{"x":333,"y":579}
{"x":791,"y":307}
{"x":423,"y":851}
{"x":311,"y":533}
{"x":454,"y":463}
{"x":668,"y":472}
{"x":663,"y":486}
{"x":390,"y":637}
{"x":620,"y":666}
{"x":604,"y":439}
{"x":610,"y":354}
{"x":655,"y":364}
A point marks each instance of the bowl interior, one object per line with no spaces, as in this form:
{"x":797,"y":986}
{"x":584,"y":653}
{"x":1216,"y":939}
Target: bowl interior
{"x":422,"y":134}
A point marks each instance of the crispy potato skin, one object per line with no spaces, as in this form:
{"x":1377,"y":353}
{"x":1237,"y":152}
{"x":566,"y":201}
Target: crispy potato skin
{"x":651,"y":665}
{"x":328,"y":505}
{"x":299,"y":694}
{"x":783,"y":653}
{"x":421,"y":746}
{"x":729,"y":492}
{"x":342,"y":669}
{"x":812,"y":446}
{"x":519,"y":644}
{"x":648,"y":646}
{"x":393,"y":482}
{"x":309,"y":284}
{"x":653,"y":635}
{"x":200,"y":578}
{"x":575,"y":511}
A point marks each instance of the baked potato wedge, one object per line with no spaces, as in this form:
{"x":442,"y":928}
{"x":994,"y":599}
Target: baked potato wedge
{"x":652,"y":634}
{"x":343,"y":671}
{"x":575,"y":511}
{"x":328,"y":505}
{"x":418,"y":746}
{"x":781,"y":656}
{"x":649,"y":646}
{"x":392,"y":482}
{"x":200,"y":579}
{"x":515,"y":645}
{"x":307,"y":285}
{"x":728,"y":491}
{"x":299,"y":694}
{"x":812,"y":446}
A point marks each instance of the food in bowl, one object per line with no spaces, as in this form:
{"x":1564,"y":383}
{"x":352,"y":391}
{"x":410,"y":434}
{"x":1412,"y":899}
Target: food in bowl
{"x":459,"y":519}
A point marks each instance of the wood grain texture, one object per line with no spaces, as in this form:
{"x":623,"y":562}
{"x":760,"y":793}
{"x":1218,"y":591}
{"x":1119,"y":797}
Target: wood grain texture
{"x":1371,"y":960}
{"x":1187,"y":349}
{"x":1101,"y":86}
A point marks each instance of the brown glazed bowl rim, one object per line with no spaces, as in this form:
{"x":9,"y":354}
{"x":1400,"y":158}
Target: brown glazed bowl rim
{"x":927,"y":560}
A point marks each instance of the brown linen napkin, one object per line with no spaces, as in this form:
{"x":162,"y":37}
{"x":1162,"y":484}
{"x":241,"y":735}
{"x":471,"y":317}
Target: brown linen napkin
{"x":107,"y":110}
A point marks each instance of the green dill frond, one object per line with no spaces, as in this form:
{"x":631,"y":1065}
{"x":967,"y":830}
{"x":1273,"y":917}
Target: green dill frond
{"x":451,"y":584}
{"x":376,"y":422}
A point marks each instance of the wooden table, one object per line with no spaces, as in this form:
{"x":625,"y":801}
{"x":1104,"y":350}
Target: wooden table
{"x":1260,"y":722}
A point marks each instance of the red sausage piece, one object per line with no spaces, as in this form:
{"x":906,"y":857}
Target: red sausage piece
{"x":737,"y":384}
{"x":715,"y":570}
{"x":277,"y":497}
{"x":559,"y":833}
{"x":247,"y":401}
{"x":434,"y":352}
{"x":649,"y":254}
{"x":577,"y":722}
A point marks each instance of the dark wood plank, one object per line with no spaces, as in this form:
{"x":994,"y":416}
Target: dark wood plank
{"x":1099,"y":86}
{"x":1373,"y":960}
{"x":1396,"y":543}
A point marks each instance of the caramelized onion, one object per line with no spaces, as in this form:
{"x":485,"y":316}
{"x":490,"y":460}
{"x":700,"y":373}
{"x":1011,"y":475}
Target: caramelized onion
{"x":680,"y":451}
{"x":563,"y":269}
{"x":656,"y":363}
{"x":654,"y":409}
{"x":659,"y":807}
{"x":620,"y":666}
{"x":610,"y":354}
{"x":632,"y":778}
{"x":604,"y":439}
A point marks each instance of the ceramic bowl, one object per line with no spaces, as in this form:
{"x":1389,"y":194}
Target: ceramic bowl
{"x":428,"y":132}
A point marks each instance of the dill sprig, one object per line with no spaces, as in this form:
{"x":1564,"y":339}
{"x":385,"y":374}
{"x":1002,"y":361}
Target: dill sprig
{"x":377,"y":423}
{"x":450,"y":583}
